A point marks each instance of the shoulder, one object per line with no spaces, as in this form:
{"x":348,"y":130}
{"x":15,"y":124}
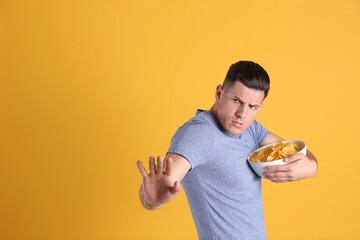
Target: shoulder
{"x":257,"y":132}
{"x":196,"y":127}
{"x":196,"y":132}
{"x":255,"y":127}
{"x":193,"y":140}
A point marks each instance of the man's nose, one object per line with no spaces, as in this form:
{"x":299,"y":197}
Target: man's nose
{"x":242,"y":112}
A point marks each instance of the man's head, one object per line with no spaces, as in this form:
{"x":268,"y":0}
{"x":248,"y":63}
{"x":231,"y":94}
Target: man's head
{"x":251,"y":74}
{"x":240,"y":97}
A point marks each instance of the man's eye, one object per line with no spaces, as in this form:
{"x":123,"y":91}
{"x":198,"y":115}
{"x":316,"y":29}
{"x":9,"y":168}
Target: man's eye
{"x":235,"y":100}
{"x":253,"y":107}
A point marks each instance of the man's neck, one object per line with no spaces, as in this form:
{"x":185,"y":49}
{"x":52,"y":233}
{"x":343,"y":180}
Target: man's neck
{"x":213,"y":111}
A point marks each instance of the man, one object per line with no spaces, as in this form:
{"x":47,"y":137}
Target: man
{"x":208,"y":154}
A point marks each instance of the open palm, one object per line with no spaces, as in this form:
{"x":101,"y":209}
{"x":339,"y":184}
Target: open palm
{"x":159,"y":186}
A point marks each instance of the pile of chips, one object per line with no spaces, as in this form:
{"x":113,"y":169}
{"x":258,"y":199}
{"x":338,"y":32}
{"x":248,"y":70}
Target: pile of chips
{"x":277,"y":151}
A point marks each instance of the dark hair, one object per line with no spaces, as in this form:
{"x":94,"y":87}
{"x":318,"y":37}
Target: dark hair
{"x":251,"y":74}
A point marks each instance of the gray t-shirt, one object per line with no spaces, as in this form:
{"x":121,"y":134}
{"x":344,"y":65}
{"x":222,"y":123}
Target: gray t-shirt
{"x":223,"y":192}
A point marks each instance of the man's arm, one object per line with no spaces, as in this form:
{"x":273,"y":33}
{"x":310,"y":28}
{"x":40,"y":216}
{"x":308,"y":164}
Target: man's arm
{"x":299,"y":166}
{"x":161,"y":185}
{"x":270,"y":138}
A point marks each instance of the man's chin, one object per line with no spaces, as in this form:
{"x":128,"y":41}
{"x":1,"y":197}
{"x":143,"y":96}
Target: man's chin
{"x":236,"y":131}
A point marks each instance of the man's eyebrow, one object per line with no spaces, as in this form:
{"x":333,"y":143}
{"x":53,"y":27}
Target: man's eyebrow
{"x":254,"y":105}
{"x":251,"y":105}
{"x":239,"y":99}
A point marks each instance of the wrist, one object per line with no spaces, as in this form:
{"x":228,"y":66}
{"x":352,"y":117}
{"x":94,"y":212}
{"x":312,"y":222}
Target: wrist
{"x":150,"y":206}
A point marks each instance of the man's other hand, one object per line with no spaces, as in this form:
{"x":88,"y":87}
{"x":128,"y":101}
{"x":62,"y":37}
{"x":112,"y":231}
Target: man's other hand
{"x":299,"y":167}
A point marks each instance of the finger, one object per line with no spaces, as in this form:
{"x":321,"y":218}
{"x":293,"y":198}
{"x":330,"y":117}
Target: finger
{"x":160,"y":164}
{"x":284,"y":180}
{"x":277,"y":168}
{"x":282,"y":176}
{"x":176,"y":188}
{"x":141,"y":169}
{"x":276,"y":175}
{"x":294,"y":157}
{"x":152,"y":165}
{"x":169,"y":166}
{"x":279,"y":179}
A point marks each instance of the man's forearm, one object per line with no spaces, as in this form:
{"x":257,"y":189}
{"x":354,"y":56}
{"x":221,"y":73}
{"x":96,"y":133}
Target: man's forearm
{"x":144,"y":202}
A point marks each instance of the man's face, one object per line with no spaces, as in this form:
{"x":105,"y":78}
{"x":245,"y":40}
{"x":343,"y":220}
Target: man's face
{"x":236,"y":107}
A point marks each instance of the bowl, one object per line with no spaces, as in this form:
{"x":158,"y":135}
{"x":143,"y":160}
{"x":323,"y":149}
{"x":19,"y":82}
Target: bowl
{"x":259,"y":167}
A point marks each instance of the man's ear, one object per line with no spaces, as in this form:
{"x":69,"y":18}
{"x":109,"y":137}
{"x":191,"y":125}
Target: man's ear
{"x":261,"y":106}
{"x":219,"y":91}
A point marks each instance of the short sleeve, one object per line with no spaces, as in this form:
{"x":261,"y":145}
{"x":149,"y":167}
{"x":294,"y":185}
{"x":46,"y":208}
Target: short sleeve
{"x":258,"y":132}
{"x":192,"y":140}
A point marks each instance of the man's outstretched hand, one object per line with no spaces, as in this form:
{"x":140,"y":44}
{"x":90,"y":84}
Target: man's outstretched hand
{"x":158,"y":186}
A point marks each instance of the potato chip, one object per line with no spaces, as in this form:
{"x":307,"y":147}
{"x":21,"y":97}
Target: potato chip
{"x":278,"y":150}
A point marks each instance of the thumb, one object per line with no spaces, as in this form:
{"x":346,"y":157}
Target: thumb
{"x":292,"y":158}
{"x":176,"y":187}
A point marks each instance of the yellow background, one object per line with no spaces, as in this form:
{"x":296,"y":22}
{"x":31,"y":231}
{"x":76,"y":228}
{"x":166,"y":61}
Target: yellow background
{"x":89,"y":87}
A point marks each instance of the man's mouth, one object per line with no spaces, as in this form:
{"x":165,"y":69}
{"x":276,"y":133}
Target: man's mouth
{"x":236,"y":124}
